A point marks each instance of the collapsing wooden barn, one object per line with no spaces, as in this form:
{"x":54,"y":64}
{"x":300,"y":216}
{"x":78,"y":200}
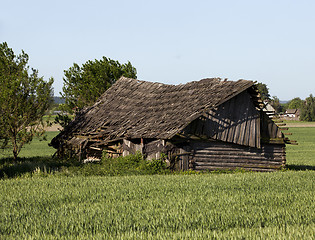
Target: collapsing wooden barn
{"x":203,"y":125}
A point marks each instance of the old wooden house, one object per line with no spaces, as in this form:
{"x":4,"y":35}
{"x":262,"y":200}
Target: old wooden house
{"x":292,"y":114}
{"x":207,"y":124}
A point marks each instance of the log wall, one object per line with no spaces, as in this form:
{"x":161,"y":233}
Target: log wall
{"x":212,"y":155}
{"x":217,"y":155}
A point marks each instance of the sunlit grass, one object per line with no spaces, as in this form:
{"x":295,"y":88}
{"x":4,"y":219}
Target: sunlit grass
{"x":304,"y":152}
{"x":43,"y":205}
{"x":37,"y":148}
{"x":242,"y":205}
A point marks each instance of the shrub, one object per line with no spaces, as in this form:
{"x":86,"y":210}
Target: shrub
{"x":128,"y":165}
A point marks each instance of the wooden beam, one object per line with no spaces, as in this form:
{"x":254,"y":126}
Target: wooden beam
{"x":95,"y":148}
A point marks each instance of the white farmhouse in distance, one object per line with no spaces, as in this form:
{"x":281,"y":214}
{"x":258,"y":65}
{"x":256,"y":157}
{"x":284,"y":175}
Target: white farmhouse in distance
{"x":292,"y":114}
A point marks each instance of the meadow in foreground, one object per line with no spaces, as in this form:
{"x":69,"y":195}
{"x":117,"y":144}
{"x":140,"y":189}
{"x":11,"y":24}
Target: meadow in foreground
{"x":243,"y":205}
{"x":278,"y":205}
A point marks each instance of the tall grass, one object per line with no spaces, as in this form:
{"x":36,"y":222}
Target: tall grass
{"x":303,"y":154}
{"x":276,"y":205}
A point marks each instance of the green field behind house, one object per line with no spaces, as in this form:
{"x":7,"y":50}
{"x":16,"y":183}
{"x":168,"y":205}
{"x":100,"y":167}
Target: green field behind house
{"x":302,"y":154}
{"x":277,"y":205}
{"x":37,"y":148}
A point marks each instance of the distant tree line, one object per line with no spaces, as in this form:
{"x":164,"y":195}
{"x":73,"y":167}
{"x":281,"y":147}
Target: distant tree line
{"x":59,"y":100}
{"x":307,"y":106}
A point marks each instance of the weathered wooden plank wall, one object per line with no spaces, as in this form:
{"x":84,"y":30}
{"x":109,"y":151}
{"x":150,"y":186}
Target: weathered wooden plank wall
{"x":219,"y":155}
{"x":235,"y":121}
{"x":184,"y":158}
{"x":129,"y":147}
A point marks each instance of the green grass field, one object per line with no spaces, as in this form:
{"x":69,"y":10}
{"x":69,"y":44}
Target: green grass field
{"x":302,"y":154}
{"x":37,"y":148}
{"x":243,"y":206}
{"x":278,"y":205}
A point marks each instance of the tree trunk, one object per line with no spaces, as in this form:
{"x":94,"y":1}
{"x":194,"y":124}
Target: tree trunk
{"x":15,"y":149}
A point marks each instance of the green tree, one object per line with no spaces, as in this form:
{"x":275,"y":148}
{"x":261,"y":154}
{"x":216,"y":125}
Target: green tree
{"x":308,"y":109}
{"x":275,"y":103}
{"x":264,"y":91}
{"x":24,"y":98}
{"x":84,"y":85}
{"x":295,"y":103}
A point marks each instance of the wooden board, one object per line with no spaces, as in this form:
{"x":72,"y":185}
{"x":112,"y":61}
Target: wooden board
{"x":214,"y":154}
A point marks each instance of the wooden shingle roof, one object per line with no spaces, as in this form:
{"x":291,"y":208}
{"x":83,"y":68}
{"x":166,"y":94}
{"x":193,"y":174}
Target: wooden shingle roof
{"x":291,"y":111}
{"x":140,"y":109}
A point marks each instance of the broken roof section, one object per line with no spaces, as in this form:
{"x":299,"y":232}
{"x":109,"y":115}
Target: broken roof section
{"x":139,"y":109}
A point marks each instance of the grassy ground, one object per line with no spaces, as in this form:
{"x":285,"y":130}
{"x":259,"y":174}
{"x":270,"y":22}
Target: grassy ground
{"x":302,"y":155}
{"x":298,"y":122}
{"x":232,"y":206}
{"x":49,"y":118}
{"x":278,"y":205}
{"x":34,"y":156}
{"x":37,"y":148}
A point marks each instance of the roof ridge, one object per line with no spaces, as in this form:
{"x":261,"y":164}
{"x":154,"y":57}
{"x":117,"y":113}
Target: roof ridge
{"x":134,"y":107}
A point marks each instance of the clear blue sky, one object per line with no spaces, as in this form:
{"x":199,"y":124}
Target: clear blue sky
{"x":171,"y":41}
